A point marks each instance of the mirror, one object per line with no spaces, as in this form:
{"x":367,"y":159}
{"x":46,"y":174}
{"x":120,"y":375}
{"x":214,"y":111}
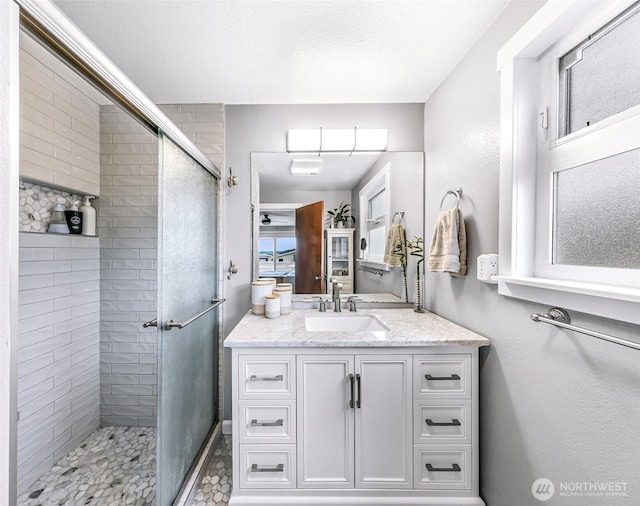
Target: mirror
{"x":379,"y":188}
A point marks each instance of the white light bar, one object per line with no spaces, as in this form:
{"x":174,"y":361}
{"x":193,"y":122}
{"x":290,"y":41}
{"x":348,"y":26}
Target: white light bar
{"x":305,"y":167}
{"x":337,"y":140}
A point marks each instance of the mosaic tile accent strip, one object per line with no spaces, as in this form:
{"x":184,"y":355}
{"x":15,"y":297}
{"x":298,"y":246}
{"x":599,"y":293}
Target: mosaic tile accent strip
{"x":36,"y":204}
{"x":215,"y":488}
{"x":113,"y":466}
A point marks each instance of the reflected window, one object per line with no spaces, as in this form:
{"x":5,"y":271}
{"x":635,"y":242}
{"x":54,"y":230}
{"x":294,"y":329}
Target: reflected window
{"x":374,"y":213}
{"x":277,"y":254}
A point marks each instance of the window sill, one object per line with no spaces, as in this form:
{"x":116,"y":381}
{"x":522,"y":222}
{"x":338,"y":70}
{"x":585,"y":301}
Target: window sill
{"x":607,"y":301}
{"x":374,"y":264}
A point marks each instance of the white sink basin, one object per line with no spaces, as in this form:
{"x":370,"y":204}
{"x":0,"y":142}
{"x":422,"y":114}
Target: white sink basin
{"x":344,"y":323}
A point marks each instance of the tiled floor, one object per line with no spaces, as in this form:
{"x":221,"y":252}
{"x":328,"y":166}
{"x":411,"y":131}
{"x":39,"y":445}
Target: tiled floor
{"x":215,"y":488}
{"x":114,"y":466}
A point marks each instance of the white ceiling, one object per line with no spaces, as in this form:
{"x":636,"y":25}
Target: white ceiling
{"x":285,"y":51}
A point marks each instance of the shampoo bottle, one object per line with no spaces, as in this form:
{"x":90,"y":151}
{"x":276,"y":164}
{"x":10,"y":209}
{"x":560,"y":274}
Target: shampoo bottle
{"x":74,"y":219}
{"x":88,"y":217}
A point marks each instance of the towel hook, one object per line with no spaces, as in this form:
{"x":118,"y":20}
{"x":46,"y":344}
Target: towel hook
{"x":457,"y":192}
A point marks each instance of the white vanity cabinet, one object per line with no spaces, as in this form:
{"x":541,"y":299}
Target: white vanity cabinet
{"x":355,"y":425}
{"x":354,"y":421}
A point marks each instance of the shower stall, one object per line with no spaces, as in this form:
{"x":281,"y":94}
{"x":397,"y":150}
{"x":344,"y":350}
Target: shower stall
{"x":118,"y":334}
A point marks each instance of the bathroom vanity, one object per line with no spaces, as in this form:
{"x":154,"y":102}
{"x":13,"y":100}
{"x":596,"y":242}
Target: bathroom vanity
{"x":374,"y":407}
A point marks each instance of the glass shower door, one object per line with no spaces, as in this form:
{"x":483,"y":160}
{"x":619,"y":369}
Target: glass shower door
{"x":187,"y":283}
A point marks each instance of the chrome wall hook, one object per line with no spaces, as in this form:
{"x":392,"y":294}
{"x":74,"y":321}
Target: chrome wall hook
{"x":232,"y":180}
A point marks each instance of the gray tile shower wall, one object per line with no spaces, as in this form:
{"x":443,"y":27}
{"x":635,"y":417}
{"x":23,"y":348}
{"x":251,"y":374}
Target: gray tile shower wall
{"x":127,"y":225}
{"x":58,"y":348}
{"x":128,"y":229}
{"x":59,"y":128}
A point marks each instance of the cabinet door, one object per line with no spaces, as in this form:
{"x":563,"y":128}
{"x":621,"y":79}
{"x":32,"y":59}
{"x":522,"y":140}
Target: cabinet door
{"x":325,"y":422}
{"x":383,"y":422}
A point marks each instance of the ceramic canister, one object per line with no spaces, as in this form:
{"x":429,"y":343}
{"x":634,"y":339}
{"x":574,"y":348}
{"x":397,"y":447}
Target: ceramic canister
{"x":260,"y":289}
{"x":273,"y":281}
{"x":272,"y":306}
{"x":285,"y":297}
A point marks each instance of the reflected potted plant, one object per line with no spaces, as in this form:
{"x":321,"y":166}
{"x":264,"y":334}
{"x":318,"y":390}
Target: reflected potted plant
{"x":416,"y":249}
{"x":340,"y":216}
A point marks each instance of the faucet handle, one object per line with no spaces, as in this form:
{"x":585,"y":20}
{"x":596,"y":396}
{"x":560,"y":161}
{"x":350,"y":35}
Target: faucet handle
{"x":352,"y":303}
{"x":322,"y":307}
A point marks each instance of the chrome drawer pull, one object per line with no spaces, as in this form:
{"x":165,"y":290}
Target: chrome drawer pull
{"x":453,"y":423}
{"x":277,"y":469}
{"x":454,"y":468}
{"x":278,"y":377}
{"x":278,"y":423}
{"x":441,"y":378}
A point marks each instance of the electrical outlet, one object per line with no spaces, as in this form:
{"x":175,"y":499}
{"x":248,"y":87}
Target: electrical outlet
{"x":488,"y":267}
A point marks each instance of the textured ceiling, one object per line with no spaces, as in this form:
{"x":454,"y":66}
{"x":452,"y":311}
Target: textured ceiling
{"x":275,"y":51}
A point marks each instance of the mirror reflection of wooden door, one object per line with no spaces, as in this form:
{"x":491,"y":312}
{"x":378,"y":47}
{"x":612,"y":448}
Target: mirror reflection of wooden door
{"x":309,"y":229}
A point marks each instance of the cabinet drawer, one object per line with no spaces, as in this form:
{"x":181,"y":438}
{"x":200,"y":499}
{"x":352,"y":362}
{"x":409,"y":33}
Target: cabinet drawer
{"x":442,"y":422}
{"x":267,"y":466}
{"x":267,"y":422}
{"x":266,"y":377}
{"x":442,"y":467}
{"x":442,"y":375}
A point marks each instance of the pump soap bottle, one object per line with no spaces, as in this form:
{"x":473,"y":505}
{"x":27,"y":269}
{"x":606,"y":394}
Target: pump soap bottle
{"x":58,"y":224}
{"x":88,"y":216}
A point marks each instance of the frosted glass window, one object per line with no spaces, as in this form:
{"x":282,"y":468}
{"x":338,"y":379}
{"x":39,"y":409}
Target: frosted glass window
{"x":597,"y":213}
{"x":376,"y":242}
{"x":601,"y":76}
{"x":377,"y":205}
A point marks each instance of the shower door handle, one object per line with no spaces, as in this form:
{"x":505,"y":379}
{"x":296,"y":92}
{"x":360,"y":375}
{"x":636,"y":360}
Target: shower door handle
{"x":150,"y":323}
{"x":170,"y":324}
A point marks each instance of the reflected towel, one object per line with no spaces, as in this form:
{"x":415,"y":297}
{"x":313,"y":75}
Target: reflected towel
{"x":448,"y":252}
{"x":395,"y":250}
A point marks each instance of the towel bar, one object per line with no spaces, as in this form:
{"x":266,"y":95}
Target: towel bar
{"x":560,"y":318}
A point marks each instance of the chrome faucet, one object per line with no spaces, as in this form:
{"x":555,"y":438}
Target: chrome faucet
{"x":336,"y":294}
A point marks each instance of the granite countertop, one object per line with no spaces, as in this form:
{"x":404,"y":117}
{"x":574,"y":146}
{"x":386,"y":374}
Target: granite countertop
{"x":406,"y":328}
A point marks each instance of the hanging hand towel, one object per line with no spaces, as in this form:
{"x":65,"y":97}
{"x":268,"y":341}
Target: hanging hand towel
{"x":448,"y":252}
{"x":395,"y":250}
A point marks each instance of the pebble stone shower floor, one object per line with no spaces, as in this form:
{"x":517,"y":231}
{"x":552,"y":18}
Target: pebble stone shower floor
{"x":115,"y":466}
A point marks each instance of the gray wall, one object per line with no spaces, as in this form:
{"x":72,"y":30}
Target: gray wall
{"x":263,"y":128}
{"x":554,"y":403}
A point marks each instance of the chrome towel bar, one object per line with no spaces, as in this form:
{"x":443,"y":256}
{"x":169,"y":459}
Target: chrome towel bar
{"x":560,"y":318}
{"x":151,"y":323}
{"x":170,"y":324}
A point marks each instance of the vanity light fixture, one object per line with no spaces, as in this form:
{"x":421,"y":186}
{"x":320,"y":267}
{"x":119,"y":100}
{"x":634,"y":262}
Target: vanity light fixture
{"x":336,"y":140}
{"x":305,"y":167}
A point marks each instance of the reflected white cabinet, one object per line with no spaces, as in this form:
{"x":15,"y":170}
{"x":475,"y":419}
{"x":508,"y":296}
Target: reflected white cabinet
{"x":376,"y":425}
{"x":339,"y":257}
{"x":355,"y":421}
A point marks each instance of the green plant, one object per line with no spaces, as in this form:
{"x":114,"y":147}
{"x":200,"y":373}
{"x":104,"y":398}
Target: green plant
{"x":341,"y":214}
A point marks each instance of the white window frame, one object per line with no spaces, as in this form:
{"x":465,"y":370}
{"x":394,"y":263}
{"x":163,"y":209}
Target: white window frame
{"x":527,"y":72}
{"x":381,"y":181}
